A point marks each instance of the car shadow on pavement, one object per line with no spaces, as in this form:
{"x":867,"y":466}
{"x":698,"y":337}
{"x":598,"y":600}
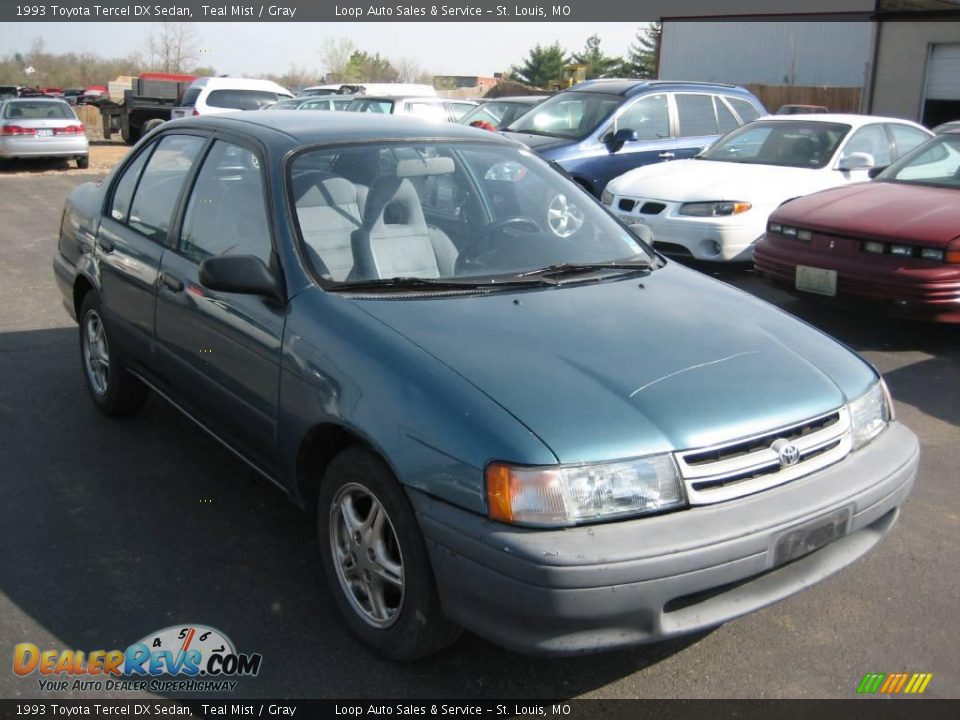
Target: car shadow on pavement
{"x":116,"y":528}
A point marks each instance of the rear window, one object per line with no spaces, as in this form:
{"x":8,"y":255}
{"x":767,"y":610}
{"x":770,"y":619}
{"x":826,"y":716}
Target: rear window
{"x":190,"y":97}
{"x":241,"y":99}
{"x":744,"y":109}
{"x":26,"y":110}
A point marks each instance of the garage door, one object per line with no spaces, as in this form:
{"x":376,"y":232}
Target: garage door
{"x":943,"y":73}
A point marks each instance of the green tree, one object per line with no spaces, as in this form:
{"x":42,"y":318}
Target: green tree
{"x":641,"y":60}
{"x":364,"y":67}
{"x":542,"y":64}
{"x":598,"y":64}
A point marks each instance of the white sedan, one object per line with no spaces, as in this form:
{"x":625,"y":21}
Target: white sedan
{"x":715,"y":206}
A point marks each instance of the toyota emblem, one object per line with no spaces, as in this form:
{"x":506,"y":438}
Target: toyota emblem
{"x":787,"y":452}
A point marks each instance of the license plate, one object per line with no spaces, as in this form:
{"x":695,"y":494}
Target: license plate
{"x":816,"y":280}
{"x":44,"y":132}
{"x":810,"y":536}
{"x":179,"y":113}
{"x":629,"y":219}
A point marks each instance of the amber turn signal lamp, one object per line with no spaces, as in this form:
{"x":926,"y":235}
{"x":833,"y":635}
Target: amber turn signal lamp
{"x":498,"y":492}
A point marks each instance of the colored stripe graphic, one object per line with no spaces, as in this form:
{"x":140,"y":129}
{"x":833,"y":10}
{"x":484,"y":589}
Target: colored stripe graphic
{"x":894,"y":683}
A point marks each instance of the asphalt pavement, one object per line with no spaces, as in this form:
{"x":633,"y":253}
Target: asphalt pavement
{"x":112,"y":529}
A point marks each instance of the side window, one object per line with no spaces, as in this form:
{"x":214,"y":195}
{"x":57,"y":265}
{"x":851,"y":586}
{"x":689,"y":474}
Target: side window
{"x":160,"y":184}
{"x":431,"y":111}
{"x":123,"y":193}
{"x":725,"y":119}
{"x":870,"y":139}
{"x":649,"y":117}
{"x":696,"y":115}
{"x":744,"y":109}
{"x":906,"y":137}
{"x":226,"y":214}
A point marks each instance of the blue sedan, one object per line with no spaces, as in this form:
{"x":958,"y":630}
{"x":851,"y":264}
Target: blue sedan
{"x":507,"y":411}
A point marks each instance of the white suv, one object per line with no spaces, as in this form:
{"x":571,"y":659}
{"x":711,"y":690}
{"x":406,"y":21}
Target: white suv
{"x":216,"y":95}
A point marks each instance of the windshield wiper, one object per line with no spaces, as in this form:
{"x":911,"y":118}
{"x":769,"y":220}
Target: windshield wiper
{"x":552,"y":272}
{"x":415,"y":283}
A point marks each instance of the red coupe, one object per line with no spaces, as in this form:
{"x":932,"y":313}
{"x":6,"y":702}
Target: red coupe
{"x":894,"y":241}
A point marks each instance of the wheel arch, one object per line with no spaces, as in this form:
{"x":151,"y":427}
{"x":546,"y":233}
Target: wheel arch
{"x":81,"y":286}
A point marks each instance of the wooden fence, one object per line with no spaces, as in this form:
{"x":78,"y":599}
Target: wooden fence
{"x":836,"y":99}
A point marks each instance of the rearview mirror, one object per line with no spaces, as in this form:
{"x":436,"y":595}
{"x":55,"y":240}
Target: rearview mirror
{"x":616,"y":140}
{"x":856,"y":161}
{"x":241,"y":274}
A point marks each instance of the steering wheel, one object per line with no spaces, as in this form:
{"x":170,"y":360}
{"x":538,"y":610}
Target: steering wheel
{"x":564,"y":217}
{"x":477,"y":254}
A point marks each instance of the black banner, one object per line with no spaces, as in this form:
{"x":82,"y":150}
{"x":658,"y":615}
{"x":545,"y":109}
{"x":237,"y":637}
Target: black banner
{"x":864,"y":709}
{"x":417,"y":10}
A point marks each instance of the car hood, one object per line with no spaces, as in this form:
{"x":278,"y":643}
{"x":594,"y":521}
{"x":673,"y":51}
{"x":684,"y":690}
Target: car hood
{"x":540,"y":143}
{"x":889,"y":210}
{"x":692,"y":180}
{"x":628,"y":368}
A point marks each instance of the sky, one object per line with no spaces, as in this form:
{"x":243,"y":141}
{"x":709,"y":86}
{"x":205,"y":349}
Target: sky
{"x":254,"y":49}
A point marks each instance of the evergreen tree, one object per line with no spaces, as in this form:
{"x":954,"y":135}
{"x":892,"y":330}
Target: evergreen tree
{"x":541,"y":65}
{"x":598,"y":64}
{"x":641,"y":61}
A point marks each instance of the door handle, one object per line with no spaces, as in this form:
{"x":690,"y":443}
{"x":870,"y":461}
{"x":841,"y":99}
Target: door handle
{"x":170,"y":282}
{"x":106,"y":244}
{"x":666,"y":155}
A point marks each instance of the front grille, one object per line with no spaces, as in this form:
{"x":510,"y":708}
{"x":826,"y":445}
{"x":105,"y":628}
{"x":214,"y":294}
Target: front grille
{"x":743,"y":467}
{"x":626,"y":205}
{"x":652,"y":208}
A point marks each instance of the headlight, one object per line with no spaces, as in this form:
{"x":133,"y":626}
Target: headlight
{"x":869,"y":414}
{"x":606,"y":197}
{"x":570,"y":495}
{"x":714,"y":209}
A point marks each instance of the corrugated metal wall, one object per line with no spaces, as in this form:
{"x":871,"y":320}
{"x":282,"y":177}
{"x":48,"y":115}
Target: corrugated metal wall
{"x":773,"y":53}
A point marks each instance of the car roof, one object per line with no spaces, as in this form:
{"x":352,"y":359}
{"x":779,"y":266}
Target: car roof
{"x":305,"y":128}
{"x":628,"y":87}
{"x":36,"y":99}
{"x":851,"y":119}
{"x":394,"y":98}
{"x":235,"y":83}
{"x":523,"y":99}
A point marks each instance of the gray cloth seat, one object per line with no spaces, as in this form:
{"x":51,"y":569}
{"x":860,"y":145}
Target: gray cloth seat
{"x":329,"y":209}
{"x":395,"y":240}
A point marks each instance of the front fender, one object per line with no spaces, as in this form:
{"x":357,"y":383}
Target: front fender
{"x":437,"y":431}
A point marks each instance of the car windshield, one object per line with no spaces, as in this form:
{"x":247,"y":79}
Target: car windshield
{"x":497,"y":113}
{"x":371,"y":105}
{"x":786,"y":143}
{"x":465,"y":213}
{"x":936,"y":162}
{"x":38,"y":110}
{"x":568,"y":115}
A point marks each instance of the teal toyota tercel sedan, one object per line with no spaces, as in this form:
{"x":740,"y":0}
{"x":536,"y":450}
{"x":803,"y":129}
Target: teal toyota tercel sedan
{"x":508,"y":413}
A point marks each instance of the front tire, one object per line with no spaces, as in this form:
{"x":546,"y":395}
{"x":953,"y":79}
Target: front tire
{"x":375,"y":559}
{"x":113,"y":390}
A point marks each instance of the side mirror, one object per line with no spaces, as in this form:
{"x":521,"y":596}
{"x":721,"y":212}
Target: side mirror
{"x":856,"y":161}
{"x":242,"y":274}
{"x":874,"y":171}
{"x":615,"y":141}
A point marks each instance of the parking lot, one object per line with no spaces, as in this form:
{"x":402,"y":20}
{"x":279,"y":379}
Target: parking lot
{"x":101,"y":548}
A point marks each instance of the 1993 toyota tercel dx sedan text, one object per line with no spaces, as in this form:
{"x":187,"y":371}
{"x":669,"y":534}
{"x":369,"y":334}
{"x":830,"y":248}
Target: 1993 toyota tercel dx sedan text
{"x":509,"y":413}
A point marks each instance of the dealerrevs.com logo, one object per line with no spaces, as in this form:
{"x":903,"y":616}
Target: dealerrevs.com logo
{"x":180,"y":658}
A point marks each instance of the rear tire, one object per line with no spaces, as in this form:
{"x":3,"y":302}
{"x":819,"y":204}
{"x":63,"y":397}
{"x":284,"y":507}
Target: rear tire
{"x":113,"y":390}
{"x":375,"y":559}
{"x":83,"y":162}
{"x":150,"y":125}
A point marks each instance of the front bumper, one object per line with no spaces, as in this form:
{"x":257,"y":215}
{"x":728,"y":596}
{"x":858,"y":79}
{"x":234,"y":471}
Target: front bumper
{"x":723,"y":239}
{"x":926,"y":292}
{"x":598,"y":587}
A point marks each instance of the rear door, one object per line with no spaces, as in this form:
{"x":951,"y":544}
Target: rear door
{"x":134,"y":234}
{"x":697,"y":122}
{"x":221,"y":351}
